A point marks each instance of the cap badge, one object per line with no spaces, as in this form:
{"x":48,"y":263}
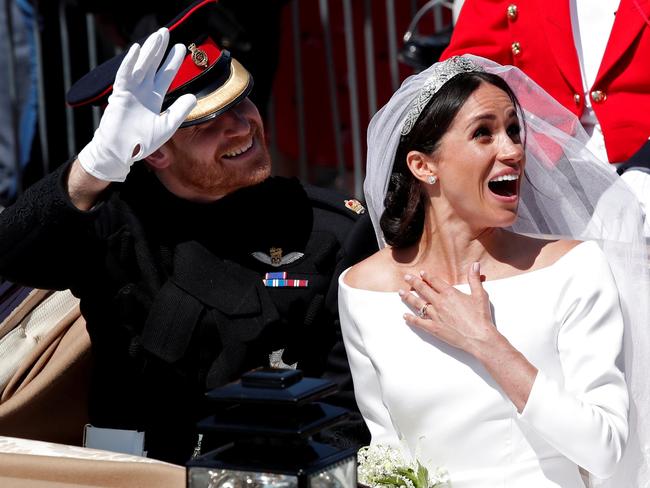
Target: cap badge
{"x":355,"y":206}
{"x":199,"y":56}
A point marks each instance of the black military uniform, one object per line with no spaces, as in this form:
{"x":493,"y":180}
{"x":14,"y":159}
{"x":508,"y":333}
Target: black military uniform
{"x":174,"y":292}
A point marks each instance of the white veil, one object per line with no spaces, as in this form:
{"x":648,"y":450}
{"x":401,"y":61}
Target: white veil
{"x":567,"y":192}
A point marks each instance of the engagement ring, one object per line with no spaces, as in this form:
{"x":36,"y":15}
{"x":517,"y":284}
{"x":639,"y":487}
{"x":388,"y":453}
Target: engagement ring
{"x":423,"y":311}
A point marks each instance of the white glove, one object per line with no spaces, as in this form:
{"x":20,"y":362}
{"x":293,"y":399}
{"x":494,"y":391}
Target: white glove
{"x":132,"y":126}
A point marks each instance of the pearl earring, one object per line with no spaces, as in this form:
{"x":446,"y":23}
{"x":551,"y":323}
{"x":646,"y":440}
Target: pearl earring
{"x":432,"y":179}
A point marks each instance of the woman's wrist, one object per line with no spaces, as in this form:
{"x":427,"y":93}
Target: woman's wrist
{"x":509,"y":368}
{"x":489,"y":345}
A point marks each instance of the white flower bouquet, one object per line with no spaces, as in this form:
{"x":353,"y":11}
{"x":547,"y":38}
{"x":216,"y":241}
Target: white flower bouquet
{"x":382,"y":466}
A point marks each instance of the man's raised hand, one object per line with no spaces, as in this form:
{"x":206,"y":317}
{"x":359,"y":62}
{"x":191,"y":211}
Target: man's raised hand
{"x":132,"y":126}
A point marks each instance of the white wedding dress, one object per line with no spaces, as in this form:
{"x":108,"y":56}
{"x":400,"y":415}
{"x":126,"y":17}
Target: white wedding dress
{"x":448,"y":410}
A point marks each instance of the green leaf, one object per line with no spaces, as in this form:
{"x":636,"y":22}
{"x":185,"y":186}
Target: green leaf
{"x":389,"y":481}
{"x":410,"y":474}
{"x":423,"y":477}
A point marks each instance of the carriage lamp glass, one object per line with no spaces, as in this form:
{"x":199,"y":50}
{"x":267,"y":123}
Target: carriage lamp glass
{"x":338,"y":476}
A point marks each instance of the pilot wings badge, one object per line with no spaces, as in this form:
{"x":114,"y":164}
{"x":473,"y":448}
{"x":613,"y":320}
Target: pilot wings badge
{"x":276,"y":258}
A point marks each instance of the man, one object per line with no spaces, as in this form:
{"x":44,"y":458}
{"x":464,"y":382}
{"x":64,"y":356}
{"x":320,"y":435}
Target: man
{"x":192,"y":265}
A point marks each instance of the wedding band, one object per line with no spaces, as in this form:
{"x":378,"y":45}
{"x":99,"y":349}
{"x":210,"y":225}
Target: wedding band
{"x":423,"y":311}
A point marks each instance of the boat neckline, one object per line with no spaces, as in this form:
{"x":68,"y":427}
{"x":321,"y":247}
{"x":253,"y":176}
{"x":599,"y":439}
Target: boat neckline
{"x":466,"y":285}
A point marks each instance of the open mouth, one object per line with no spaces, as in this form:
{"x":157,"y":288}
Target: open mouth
{"x":504,"y":186}
{"x":239,"y":151}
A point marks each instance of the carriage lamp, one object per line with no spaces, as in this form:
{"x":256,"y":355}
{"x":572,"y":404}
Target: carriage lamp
{"x":269,"y":418}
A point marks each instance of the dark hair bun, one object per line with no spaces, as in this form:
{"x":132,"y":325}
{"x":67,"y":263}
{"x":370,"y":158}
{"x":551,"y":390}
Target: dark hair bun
{"x":403,"y":218}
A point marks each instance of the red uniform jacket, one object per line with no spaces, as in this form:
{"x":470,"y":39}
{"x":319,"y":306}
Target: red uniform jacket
{"x":536,"y":36}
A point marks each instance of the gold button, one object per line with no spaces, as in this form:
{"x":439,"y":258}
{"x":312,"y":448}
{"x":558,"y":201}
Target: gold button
{"x":512,"y":12}
{"x":576,"y":98}
{"x":516,"y":48}
{"x":598,"y":96}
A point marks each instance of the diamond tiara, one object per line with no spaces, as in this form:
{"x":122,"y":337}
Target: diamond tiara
{"x":442,"y":73}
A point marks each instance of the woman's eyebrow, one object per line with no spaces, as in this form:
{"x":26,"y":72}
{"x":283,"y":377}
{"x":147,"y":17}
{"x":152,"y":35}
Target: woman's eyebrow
{"x":486,"y":116}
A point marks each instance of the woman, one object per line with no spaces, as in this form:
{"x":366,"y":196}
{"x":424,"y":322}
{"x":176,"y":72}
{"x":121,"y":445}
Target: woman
{"x":505,"y":358}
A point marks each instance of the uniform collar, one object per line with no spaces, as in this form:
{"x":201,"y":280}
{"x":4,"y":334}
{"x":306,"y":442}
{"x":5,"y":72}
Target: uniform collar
{"x":275,"y":213}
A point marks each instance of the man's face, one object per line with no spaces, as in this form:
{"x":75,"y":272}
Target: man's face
{"x":217,"y":157}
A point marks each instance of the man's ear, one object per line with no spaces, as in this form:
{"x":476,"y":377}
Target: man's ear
{"x":421,"y":165}
{"x":161,"y":158}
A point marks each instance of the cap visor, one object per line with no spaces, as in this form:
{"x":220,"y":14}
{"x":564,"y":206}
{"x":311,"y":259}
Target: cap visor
{"x":228,"y":94}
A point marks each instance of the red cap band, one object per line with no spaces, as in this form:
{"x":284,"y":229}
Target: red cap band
{"x":190,"y":69}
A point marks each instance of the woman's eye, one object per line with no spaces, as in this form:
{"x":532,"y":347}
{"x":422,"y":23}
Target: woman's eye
{"x":481,"y":132}
{"x":514,"y":131}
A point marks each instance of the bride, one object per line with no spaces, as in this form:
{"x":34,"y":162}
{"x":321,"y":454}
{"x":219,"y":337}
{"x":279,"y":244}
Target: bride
{"x":510,"y":359}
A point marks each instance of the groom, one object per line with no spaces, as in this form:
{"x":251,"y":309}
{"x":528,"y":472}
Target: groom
{"x":191,"y":263}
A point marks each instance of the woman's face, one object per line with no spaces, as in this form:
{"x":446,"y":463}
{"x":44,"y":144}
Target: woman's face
{"x":480,"y":161}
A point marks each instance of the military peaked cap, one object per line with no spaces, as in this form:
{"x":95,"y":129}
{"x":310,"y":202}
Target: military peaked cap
{"x":208,"y":71}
